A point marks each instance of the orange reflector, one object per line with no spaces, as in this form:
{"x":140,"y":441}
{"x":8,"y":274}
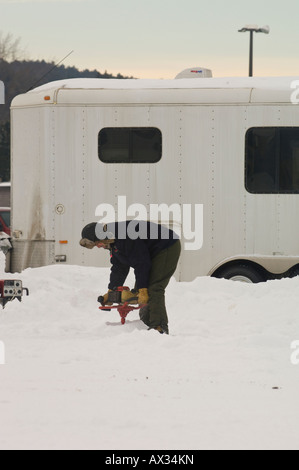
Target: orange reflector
{"x":47,"y":98}
{"x":63,"y":242}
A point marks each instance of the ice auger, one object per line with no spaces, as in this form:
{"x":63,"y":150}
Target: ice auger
{"x":125,"y":303}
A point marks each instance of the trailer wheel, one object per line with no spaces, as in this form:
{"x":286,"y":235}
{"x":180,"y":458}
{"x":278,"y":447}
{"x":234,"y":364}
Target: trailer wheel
{"x":242,"y":273}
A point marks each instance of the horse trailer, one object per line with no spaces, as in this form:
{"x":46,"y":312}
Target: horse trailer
{"x":225,"y":150}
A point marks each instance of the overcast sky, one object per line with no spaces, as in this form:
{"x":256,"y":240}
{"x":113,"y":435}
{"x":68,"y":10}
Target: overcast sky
{"x":157,"y":38}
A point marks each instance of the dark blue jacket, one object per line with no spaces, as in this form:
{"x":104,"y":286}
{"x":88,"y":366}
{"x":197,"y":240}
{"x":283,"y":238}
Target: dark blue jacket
{"x":136,"y":244}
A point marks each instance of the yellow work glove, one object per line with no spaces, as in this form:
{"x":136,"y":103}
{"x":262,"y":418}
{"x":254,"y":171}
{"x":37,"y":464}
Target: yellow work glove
{"x":127,"y":295}
{"x":143,"y":296}
{"x":105,"y":297}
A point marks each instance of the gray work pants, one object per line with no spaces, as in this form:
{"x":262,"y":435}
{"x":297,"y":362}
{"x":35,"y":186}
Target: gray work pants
{"x":163,"y":267}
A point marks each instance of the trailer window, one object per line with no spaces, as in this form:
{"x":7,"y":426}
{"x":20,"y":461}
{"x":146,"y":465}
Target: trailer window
{"x":130,"y":145}
{"x":272,"y":160}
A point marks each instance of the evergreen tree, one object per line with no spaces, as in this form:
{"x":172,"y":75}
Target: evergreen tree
{"x":19,"y":76}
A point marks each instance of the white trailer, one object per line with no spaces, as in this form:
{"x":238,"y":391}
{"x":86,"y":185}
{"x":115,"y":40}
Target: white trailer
{"x":230,"y":144}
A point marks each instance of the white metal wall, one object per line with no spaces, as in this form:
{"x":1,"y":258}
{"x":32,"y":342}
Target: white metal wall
{"x":58,"y":179}
{"x":202,"y":163}
{"x":272,"y":220}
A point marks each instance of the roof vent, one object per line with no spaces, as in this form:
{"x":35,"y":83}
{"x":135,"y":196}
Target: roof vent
{"x":195,"y":72}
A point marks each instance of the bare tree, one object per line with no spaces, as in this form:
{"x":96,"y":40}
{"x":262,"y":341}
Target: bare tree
{"x":10,"y":49}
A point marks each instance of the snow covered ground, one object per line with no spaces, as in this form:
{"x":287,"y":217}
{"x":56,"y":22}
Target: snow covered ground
{"x":75,"y":378}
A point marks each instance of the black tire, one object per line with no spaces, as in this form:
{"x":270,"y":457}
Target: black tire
{"x":242,"y":273}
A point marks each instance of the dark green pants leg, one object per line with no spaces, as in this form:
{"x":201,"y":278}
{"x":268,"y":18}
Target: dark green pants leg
{"x":163,"y":268}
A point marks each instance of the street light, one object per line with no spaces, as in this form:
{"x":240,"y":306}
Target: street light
{"x":253,"y":29}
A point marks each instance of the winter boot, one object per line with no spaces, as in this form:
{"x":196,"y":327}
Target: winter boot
{"x":161,"y":329}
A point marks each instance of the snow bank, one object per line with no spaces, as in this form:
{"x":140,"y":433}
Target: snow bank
{"x":75,"y":378}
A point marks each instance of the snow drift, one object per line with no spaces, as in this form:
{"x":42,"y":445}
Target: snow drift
{"x":75,"y":378}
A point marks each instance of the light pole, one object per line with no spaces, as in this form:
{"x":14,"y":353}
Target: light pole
{"x":253,"y":29}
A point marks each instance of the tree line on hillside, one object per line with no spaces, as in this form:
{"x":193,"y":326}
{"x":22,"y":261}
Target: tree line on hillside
{"x":22,"y":76}
{"x":19,"y":76}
